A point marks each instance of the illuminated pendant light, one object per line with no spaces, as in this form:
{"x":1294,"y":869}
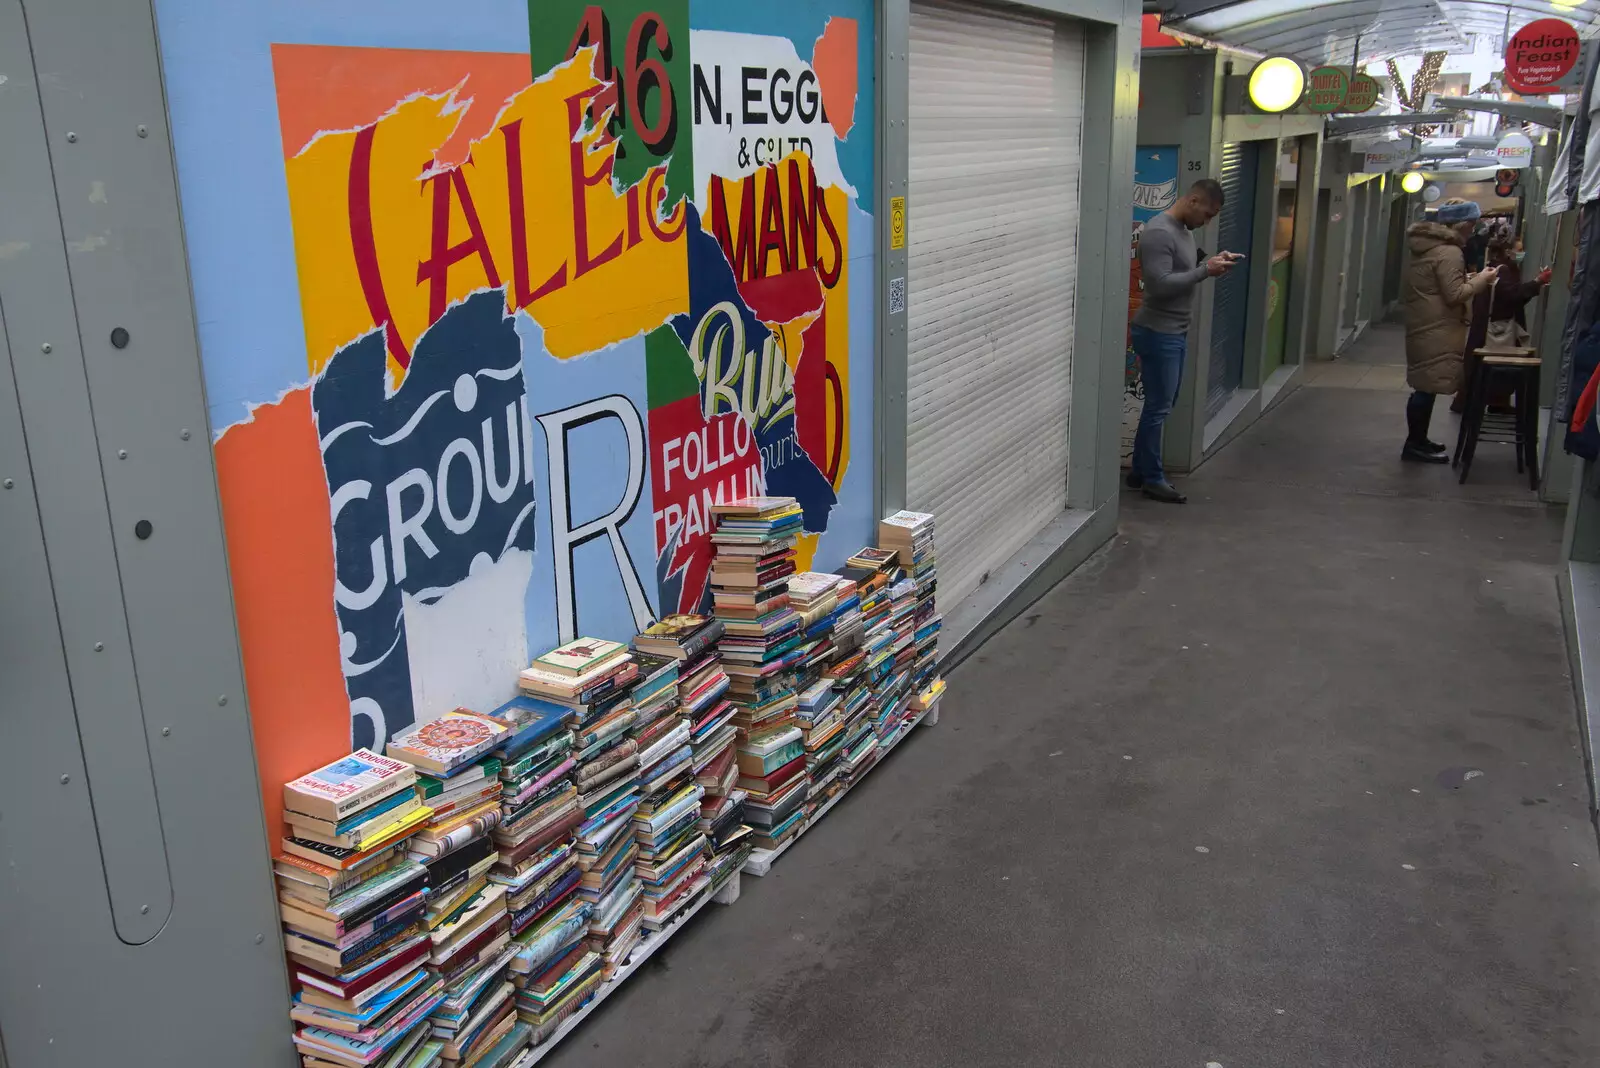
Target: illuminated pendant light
{"x":1412,"y":182}
{"x":1276,"y":84}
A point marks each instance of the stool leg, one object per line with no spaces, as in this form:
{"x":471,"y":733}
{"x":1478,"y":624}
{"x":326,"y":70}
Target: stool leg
{"x":1519,"y":432}
{"x":1530,"y":381}
{"x":1473,"y":367}
{"x":1472,"y":421}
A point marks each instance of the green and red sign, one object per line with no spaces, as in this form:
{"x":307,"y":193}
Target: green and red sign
{"x":1326,"y":89}
{"x":1541,"y":54}
{"x":1363,"y":93}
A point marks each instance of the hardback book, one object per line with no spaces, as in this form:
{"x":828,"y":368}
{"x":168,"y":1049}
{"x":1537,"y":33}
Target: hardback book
{"x":756,"y":508}
{"x":574,"y":691}
{"x":876,"y":559}
{"x":682,"y":637}
{"x":380,"y":829}
{"x":342,"y":857}
{"x":580,"y":657}
{"x":347,"y":785}
{"x":442,"y":745}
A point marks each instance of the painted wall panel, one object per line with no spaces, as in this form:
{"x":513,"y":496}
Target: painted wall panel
{"x":1155,"y":189}
{"x":495,"y":302}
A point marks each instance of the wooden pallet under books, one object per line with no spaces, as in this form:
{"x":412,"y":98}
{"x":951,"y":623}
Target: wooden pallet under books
{"x":761,"y":860}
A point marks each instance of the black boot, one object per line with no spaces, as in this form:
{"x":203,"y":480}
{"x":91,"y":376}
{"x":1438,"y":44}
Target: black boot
{"x":1422,"y":454}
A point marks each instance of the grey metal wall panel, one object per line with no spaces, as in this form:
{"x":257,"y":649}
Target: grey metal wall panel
{"x":1230,"y":313}
{"x":141,"y":828}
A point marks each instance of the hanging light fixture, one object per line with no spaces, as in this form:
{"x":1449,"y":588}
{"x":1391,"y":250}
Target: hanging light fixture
{"x":1412,"y":182}
{"x":1276,"y":84}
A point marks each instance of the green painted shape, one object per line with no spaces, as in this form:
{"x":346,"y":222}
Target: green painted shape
{"x":1326,"y":89}
{"x":552,"y":28}
{"x":669,"y":373}
{"x":1278,"y":317}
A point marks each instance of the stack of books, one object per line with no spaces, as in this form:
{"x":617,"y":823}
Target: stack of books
{"x":352,"y":903}
{"x":672,"y":852}
{"x":600,"y":695}
{"x":539,"y":813}
{"x":761,"y":650}
{"x":910,"y":534}
{"x":466,"y":922}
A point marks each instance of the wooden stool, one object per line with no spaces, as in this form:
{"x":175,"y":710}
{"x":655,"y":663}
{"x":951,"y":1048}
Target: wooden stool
{"x":1519,"y":369}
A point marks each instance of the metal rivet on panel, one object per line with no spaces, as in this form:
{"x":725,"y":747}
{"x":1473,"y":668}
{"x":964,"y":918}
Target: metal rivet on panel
{"x":119,"y":338}
{"x":122,"y":454}
{"x":8,"y":483}
{"x":143,"y":132}
{"x":142,"y":529}
{"x":99,"y":647}
{"x":166,"y":732}
{"x":144,"y":910}
{"x":259,"y":940}
{"x":65,"y":779}
{"x":184,"y":433}
{"x":71,"y":136}
{"x":45,"y":347}
{"x":222,"y":700}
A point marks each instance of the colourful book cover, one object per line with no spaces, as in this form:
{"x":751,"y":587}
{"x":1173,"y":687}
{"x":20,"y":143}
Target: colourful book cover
{"x":444,"y":744}
{"x":580,"y":657}
{"x":335,"y":790}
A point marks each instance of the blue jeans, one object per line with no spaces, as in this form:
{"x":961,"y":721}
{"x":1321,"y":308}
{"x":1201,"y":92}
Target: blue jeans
{"x":1161,"y":370}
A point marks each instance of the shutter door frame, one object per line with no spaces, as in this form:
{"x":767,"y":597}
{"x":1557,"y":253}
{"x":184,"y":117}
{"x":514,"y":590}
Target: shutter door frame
{"x":1230,"y":307}
{"x":995,"y":165}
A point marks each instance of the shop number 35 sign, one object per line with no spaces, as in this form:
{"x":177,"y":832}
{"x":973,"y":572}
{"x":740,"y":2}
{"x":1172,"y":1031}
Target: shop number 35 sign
{"x":1541,"y":54}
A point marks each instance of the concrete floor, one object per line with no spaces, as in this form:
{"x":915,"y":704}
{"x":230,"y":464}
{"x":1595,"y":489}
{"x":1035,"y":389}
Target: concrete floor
{"x":1285,"y":778}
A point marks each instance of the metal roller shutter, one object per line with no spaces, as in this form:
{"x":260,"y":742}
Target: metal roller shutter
{"x":996,"y":148}
{"x":1230,"y":309}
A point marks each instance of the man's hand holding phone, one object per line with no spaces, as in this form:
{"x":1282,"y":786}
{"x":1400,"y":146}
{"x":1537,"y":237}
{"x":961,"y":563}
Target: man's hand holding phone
{"x":1222,"y":263}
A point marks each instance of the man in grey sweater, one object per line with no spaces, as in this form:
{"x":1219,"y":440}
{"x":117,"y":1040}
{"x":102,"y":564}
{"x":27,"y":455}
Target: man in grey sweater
{"x":1172,"y":273}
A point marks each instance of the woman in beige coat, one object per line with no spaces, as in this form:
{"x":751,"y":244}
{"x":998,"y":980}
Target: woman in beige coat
{"x":1438,"y":301}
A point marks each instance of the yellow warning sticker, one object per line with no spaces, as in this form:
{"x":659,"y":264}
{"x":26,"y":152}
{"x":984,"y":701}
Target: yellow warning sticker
{"x":897,"y":223}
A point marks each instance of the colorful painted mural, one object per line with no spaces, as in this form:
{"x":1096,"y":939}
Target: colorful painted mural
{"x":1155,"y":189}
{"x":495,"y":304}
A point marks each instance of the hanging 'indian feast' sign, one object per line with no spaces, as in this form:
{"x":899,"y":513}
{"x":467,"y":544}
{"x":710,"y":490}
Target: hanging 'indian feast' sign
{"x":1326,"y":90}
{"x":1539,"y":55}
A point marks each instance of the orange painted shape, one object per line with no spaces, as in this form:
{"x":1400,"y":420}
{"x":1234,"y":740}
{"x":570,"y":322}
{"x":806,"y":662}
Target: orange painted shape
{"x":280,"y":554}
{"x":834,"y":60}
{"x":332,"y":87}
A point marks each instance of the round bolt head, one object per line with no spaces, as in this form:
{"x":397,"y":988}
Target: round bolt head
{"x":222,"y":700}
{"x":144,"y":910}
{"x":71,"y":136}
{"x":65,"y":779}
{"x":119,"y":338}
{"x":45,"y":347}
{"x":8,"y":483}
{"x":142,"y":529}
{"x":122,"y":454}
{"x":143,"y":132}
{"x":166,"y":732}
{"x":184,"y":433}
{"x":99,"y":646}
{"x":259,"y":940}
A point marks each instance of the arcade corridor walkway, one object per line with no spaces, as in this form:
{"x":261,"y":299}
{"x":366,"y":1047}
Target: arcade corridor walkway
{"x":1286,"y":778}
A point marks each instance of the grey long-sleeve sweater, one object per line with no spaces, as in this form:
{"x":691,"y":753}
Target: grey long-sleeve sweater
{"x":1167,"y":261}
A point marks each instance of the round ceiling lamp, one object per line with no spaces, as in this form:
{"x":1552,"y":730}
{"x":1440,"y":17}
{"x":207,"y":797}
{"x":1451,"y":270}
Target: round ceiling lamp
{"x":1276,"y":84}
{"x":1412,"y":182}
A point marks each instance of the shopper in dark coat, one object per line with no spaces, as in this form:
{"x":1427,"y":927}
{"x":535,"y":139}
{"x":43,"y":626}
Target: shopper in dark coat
{"x":1506,"y":299}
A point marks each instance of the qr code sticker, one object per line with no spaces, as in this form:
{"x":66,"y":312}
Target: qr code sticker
{"x":897,"y":295}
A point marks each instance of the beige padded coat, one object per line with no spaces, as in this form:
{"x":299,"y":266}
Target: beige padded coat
{"x":1438,"y":303}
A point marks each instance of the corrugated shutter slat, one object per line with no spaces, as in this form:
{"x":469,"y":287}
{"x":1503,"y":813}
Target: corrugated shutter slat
{"x":996,"y":135}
